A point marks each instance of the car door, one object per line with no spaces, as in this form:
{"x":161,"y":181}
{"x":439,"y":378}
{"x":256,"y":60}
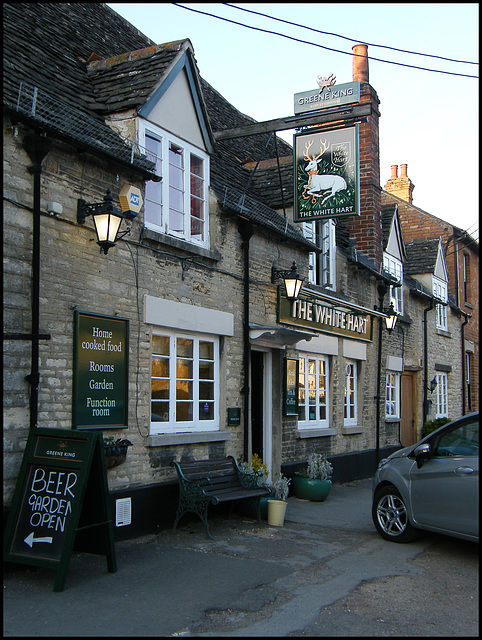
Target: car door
{"x":444,"y":491}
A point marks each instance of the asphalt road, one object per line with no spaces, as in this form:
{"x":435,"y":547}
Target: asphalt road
{"x":326,"y":572}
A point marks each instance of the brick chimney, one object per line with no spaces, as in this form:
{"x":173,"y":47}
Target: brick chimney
{"x":366,"y":228}
{"x":402,"y":186}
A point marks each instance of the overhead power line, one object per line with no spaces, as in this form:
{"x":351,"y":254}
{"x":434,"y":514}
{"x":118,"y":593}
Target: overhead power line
{"x":337,"y":35}
{"x":314,"y":44}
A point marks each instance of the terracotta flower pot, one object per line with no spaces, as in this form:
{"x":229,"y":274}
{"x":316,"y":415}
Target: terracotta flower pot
{"x":314,"y":490}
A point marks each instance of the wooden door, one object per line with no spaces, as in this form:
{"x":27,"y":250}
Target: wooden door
{"x":407,"y":424}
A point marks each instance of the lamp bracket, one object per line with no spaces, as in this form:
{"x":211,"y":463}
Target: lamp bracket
{"x":277,"y":274}
{"x":84,"y":209}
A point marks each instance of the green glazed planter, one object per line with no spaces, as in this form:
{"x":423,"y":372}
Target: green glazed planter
{"x":314,"y":490}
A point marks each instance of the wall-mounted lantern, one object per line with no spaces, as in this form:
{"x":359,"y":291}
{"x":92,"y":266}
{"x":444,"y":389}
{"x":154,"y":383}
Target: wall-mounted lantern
{"x":107,"y":220}
{"x":292,"y":281}
{"x":391,"y":319}
{"x":433,"y":384}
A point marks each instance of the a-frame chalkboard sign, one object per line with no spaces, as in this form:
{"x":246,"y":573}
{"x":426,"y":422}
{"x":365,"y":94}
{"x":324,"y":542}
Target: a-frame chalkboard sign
{"x":60,"y":502}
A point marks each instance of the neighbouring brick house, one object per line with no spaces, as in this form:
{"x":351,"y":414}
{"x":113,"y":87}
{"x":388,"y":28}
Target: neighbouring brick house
{"x":461,"y":253}
{"x":210,"y":331}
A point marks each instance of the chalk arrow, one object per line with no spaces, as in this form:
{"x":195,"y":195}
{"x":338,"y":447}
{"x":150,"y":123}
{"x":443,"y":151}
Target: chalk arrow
{"x":30,"y":540}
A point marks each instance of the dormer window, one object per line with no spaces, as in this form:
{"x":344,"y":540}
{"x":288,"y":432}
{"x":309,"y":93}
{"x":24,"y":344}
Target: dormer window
{"x":177,"y":205}
{"x":440,"y":291}
{"x":322,"y":266}
{"x":395,"y":268}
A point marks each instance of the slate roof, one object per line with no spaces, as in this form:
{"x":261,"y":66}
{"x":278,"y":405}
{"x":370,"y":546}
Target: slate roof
{"x":421,"y":256}
{"x":59,"y":48}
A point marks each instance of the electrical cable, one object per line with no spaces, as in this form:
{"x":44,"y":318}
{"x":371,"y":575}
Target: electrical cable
{"x":337,"y":35}
{"x":314,"y":44}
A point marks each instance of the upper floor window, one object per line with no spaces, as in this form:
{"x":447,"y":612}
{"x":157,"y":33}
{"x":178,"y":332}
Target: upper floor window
{"x":466,"y":276}
{"x":178,"y":204}
{"x":440,"y":291}
{"x":322,"y":265}
{"x":395,"y":268}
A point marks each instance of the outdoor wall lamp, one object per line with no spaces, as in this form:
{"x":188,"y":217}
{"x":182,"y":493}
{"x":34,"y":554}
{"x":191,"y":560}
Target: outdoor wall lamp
{"x":433,"y":384}
{"x":391,"y":319}
{"x":292,"y":281}
{"x":107,"y":220}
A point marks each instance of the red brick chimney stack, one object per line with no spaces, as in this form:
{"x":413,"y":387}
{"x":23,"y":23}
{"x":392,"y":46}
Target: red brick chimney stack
{"x":360,"y":63}
{"x":366,"y":228}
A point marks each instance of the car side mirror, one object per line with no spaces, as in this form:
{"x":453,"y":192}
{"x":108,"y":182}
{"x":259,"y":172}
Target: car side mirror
{"x":422,"y":453}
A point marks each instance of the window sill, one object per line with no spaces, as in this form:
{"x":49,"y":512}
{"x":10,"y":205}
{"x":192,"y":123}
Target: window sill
{"x":154,"y":237}
{"x":441,"y":332}
{"x":169,"y":439}
{"x":316,"y":433}
{"x":349,"y":431}
{"x":392,"y":419}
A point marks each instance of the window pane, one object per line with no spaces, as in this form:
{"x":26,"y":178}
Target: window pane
{"x":206,"y":350}
{"x":184,"y":411}
{"x":184,"y":347}
{"x":160,"y":367}
{"x":184,"y":390}
{"x":206,"y":391}
{"x":206,"y":370}
{"x":159,"y":412}
{"x":206,"y":410}
{"x":184,"y":369}
{"x":160,"y":390}
{"x":160,"y":345}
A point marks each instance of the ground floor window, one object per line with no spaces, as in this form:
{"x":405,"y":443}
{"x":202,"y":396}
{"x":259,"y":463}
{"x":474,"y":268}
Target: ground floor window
{"x":350,"y":416}
{"x":184,"y":383}
{"x":313,"y":392}
{"x":442,"y":407}
{"x":392,"y":395}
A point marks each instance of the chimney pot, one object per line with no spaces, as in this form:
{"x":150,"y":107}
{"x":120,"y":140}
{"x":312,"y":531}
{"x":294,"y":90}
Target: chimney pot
{"x":394,"y":170}
{"x":360,"y":63}
{"x":404,"y":170}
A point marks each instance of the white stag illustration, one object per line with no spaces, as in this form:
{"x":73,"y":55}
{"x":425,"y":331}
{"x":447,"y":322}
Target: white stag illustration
{"x":316,"y":182}
{"x":326,"y":83}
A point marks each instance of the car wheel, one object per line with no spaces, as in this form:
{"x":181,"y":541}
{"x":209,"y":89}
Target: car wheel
{"x":390,"y":516}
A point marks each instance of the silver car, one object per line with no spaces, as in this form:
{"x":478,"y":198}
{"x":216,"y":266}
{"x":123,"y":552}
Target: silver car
{"x":431,"y":485}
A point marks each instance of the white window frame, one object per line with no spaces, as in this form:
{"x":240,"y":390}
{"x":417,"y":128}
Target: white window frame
{"x":322,"y":266}
{"x":442,"y":396}
{"x":395,"y":268}
{"x":165,"y":201}
{"x":171,"y":425}
{"x":313,"y":386}
{"x":350,"y":398}
{"x":392,"y":394}
{"x":440,"y":291}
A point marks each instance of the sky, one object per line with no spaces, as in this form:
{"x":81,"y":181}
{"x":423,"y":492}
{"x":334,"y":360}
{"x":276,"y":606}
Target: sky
{"x":429,"y":115}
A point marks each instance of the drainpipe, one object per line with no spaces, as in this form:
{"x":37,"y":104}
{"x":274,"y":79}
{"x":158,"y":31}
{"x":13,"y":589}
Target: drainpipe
{"x":382,"y":290}
{"x":246,"y":231}
{"x":425,"y":358}
{"x":37,"y":148}
{"x":464,"y":373}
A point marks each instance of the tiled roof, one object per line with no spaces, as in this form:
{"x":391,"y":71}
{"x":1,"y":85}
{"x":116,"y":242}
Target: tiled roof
{"x":421,"y":256}
{"x":89,"y":58}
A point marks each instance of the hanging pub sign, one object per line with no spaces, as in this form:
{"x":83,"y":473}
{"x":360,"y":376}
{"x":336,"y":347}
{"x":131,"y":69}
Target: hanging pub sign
{"x":326,"y":174}
{"x":100,"y":377}
{"x":328,"y":95}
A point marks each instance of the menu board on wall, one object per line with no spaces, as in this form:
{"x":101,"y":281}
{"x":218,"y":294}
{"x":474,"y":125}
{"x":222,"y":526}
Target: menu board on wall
{"x":291,"y":387}
{"x":100,"y":376}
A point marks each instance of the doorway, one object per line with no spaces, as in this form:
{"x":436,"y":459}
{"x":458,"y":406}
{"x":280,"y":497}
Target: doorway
{"x":408,"y":434}
{"x":260,"y":405}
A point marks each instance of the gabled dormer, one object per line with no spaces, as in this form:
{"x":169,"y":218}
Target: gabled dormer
{"x":394,"y":254}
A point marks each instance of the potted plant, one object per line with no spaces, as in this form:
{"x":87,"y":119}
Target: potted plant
{"x":315,"y":482}
{"x":260,"y":469}
{"x":115,"y":450}
{"x":277,"y":505}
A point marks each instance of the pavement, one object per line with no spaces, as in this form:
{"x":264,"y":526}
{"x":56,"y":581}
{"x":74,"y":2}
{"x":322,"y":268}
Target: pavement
{"x":251,"y":580}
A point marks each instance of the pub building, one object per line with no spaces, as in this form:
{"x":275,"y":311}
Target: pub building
{"x":176,"y":331}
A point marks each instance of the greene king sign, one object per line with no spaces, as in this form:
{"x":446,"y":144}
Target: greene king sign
{"x":329,"y":96}
{"x":326,"y":174}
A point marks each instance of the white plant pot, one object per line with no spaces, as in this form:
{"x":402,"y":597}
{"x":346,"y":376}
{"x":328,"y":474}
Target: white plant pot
{"x":276,"y":512}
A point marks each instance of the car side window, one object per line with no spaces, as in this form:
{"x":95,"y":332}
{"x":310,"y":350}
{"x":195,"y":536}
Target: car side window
{"x":463,"y":440}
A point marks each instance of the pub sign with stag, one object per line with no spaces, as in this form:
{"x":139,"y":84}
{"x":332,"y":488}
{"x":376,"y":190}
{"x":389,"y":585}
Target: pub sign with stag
{"x":326,"y":174}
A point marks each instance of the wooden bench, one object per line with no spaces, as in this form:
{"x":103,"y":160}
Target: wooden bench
{"x":206,"y":482}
